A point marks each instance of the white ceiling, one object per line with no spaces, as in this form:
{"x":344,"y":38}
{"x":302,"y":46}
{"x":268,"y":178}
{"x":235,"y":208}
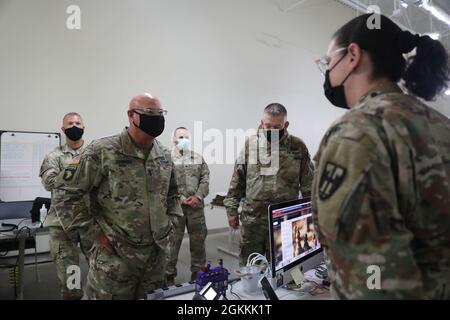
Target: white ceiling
{"x":413,"y":17}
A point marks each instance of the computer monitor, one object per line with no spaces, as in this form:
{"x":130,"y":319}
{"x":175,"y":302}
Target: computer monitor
{"x":293,"y":242}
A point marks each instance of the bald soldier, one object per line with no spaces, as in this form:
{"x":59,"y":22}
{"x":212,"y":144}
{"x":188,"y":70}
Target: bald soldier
{"x":131,"y":180}
{"x":63,"y":243}
{"x":262,"y":183}
{"x":192,"y":174}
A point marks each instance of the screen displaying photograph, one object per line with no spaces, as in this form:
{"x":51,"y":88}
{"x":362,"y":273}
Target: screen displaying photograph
{"x":293,"y":234}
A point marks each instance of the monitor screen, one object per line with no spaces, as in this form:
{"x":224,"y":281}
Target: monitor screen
{"x":292,"y":236}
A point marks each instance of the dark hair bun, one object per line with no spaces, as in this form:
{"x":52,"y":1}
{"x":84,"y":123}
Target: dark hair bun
{"x":425,"y":75}
{"x":406,"y":41}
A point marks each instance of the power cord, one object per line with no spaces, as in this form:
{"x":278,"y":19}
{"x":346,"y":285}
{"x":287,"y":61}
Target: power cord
{"x":256,"y":257}
{"x":233,"y":293}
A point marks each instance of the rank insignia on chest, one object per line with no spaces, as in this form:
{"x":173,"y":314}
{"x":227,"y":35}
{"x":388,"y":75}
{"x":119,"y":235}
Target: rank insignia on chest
{"x":69,"y":173}
{"x":330,"y":180}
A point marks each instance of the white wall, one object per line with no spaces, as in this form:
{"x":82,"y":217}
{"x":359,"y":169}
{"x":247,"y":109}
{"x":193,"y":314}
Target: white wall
{"x":219,"y":61}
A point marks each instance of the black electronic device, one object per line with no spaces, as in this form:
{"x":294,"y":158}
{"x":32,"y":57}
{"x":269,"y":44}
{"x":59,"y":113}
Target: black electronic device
{"x":267,"y":289}
{"x":10,"y":227}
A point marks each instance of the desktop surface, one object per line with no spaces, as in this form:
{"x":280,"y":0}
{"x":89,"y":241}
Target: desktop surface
{"x":312,"y":289}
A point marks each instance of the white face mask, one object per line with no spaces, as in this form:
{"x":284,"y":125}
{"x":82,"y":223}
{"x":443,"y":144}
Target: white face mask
{"x":184,"y":144}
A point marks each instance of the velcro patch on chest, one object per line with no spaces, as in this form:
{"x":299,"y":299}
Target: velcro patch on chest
{"x":331,"y":179}
{"x":122,"y":162}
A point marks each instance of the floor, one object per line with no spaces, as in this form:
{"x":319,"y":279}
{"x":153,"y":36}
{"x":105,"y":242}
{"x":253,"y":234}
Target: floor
{"x":41,"y":282}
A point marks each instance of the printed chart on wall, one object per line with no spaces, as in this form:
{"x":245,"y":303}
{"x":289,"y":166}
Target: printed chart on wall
{"x":21,"y":156}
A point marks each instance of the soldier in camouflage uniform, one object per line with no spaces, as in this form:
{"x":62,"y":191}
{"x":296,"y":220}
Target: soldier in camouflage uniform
{"x":260,"y":185}
{"x":63,"y":243}
{"x":381,"y":192}
{"x":193,"y":184}
{"x":131,"y":180}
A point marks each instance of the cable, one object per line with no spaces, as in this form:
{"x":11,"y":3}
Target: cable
{"x":14,"y":271}
{"x":18,"y":257}
{"x":233,"y":293}
{"x":16,"y":237}
{"x":256,"y":257}
{"x":20,"y":222}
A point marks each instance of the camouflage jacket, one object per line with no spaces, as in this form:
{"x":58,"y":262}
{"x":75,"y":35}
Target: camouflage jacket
{"x":192,"y":174}
{"x":254,"y":179}
{"x":52,"y":166}
{"x":381,"y":199}
{"x":135,"y":198}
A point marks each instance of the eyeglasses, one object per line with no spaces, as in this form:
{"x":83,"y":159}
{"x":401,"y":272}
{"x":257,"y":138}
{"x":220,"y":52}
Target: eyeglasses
{"x":323,"y":63}
{"x":150,"y":112}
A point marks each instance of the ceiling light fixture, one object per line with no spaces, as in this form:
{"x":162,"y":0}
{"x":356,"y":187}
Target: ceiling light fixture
{"x":434,"y":35}
{"x":436,"y":12}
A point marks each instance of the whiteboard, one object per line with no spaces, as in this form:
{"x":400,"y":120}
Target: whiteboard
{"x":21,"y":156}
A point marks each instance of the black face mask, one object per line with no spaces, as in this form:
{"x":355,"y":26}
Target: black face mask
{"x":74,"y":133}
{"x":151,"y":125}
{"x":336,"y":95}
{"x":268,"y":134}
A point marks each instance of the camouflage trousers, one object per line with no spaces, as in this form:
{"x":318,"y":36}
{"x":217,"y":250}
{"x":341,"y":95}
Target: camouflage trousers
{"x":125,"y":274}
{"x":254,"y":237}
{"x":65,"y":252}
{"x":194,"y":220}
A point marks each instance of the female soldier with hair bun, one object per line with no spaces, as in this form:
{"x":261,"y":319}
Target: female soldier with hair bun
{"x":381,"y":191}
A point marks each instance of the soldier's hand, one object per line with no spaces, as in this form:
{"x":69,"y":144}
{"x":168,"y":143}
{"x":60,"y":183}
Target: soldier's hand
{"x":188,"y":202}
{"x":233,"y":221}
{"x":103,"y":241}
{"x":195,"y":202}
{"x":192,"y":201}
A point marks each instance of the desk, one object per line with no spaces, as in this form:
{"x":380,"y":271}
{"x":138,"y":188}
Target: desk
{"x":26,"y":230}
{"x":282,"y":293}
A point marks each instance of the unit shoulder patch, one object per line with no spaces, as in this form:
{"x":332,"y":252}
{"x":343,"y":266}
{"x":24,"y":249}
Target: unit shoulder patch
{"x":331,"y":179}
{"x":69,"y":173}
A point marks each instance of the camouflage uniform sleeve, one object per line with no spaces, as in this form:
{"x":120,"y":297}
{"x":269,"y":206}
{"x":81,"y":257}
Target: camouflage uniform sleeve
{"x":354,"y":200}
{"x":173,"y":199}
{"x":203,"y":186}
{"x":49,"y":171}
{"x":306,"y":174}
{"x":77,"y":180}
{"x":236,"y":191}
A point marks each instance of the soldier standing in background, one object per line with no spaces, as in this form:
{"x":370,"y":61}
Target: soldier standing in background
{"x":131,"y":180}
{"x":193,"y":184}
{"x":381,"y":192}
{"x":294,"y":174}
{"x":63,"y":243}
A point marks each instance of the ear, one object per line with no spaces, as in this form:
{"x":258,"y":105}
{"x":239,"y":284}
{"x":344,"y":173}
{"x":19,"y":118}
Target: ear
{"x":130,"y":118}
{"x":62,"y":130}
{"x":355,"y":53}
{"x":261,"y":125}
{"x":286,"y":125}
